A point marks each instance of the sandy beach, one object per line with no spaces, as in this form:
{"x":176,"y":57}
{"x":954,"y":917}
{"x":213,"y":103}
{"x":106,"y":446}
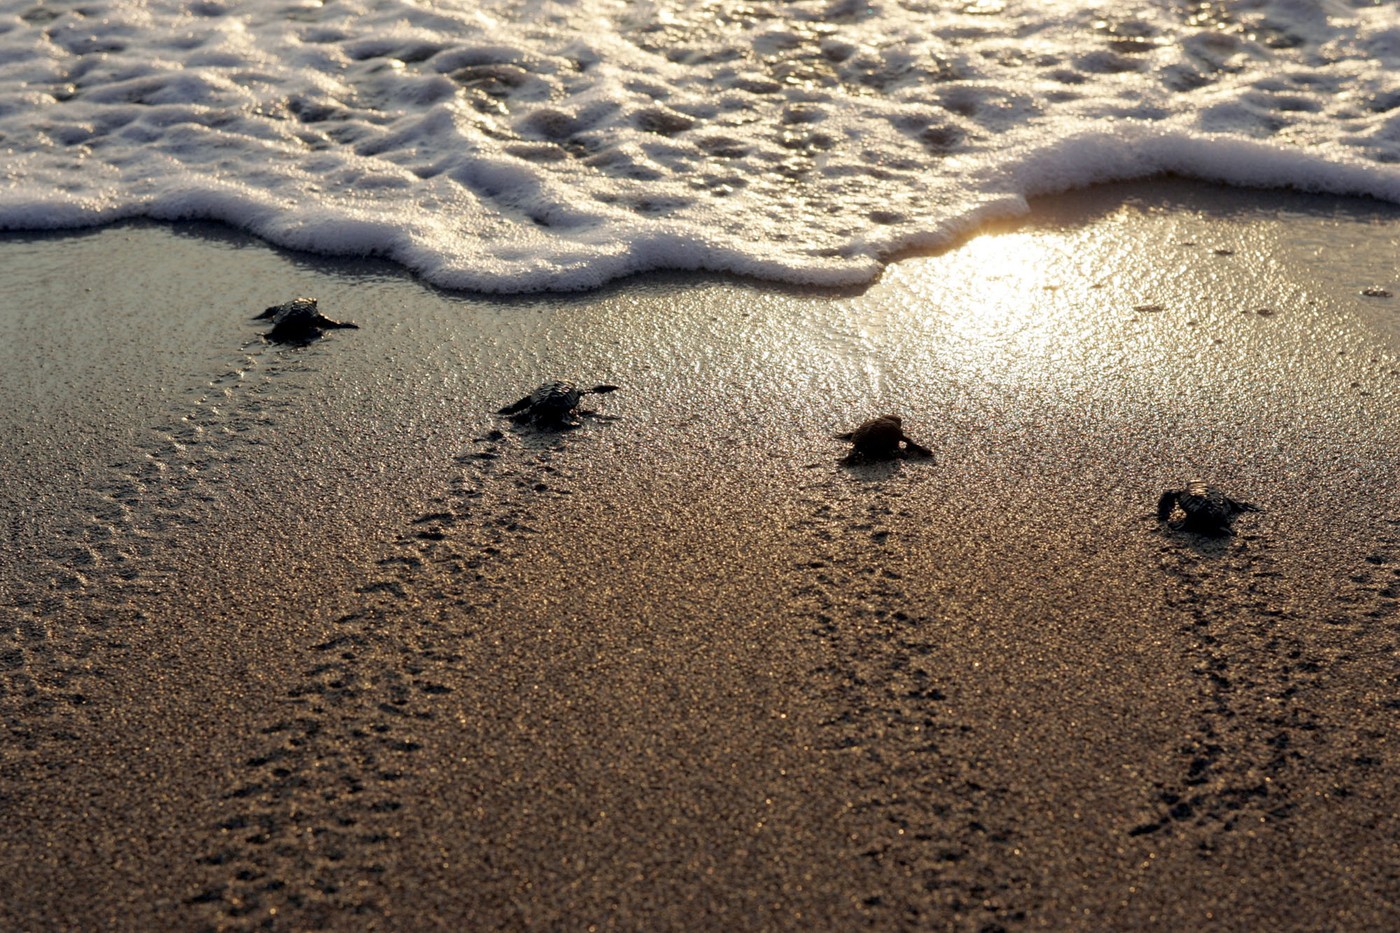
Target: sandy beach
{"x":311,"y":638}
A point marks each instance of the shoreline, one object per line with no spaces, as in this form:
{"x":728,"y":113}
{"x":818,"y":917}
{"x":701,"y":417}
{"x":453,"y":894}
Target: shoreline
{"x":299,"y":641}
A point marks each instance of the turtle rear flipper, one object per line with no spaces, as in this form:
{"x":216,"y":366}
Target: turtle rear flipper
{"x":848,"y":436}
{"x":1166,"y":504}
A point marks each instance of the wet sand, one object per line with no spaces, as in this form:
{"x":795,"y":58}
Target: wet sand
{"x":310,"y":638}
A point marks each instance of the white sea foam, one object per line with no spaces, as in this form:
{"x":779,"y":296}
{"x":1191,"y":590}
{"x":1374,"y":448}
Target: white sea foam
{"x":517,"y":145}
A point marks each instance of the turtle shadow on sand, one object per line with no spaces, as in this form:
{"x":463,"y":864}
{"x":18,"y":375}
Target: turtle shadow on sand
{"x":871,"y":471}
{"x":1205,"y":546}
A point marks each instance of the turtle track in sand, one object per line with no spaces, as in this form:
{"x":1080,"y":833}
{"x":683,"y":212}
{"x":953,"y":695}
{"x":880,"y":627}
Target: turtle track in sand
{"x":1253,"y":666}
{"x":311,"y":816}
{"x":87,"y":608}
{"x":1296,"y":691}
{"x":923,"y":827}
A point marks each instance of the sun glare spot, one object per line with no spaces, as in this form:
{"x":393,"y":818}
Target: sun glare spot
{"x":1008,"y":279}
{"x":1002,"y":307}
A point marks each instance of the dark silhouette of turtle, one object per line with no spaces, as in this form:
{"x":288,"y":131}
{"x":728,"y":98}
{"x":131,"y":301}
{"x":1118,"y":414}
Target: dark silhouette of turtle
{"x":1205,"y":509}
{"x":298,"y":322}
{"x":553,"y":405}
{"x":880,"y":439}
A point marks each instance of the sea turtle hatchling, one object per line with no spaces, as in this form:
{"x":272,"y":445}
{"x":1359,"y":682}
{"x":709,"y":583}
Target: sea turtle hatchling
{"x":880,"y":439}
{"x":1205,"y":509}
{"x":553,"y":405}
{"x":298,"y":321}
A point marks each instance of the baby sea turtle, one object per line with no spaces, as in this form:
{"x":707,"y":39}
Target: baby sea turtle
{"x":879,"y":439}
{"x":298,"y":321}
{"x":553,"y":405}
{"x":1205,"y":509}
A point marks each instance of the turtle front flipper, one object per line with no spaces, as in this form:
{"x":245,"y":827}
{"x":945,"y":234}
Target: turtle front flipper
{"x":328,"y":323}
{"x":515,"y":408}
{"x":1237,"y":506}
{"x":1166,"y":504}
{"x":603,"y":389}
{"x":915,"y":449}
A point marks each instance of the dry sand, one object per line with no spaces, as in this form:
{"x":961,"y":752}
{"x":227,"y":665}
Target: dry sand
{"x":290,"y":640}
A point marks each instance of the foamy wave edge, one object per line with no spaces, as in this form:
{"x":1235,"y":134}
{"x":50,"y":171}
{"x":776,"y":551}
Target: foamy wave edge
{"x":995,"y":193}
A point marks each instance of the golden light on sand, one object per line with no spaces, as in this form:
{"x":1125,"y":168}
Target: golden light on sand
{"x":1007,"y":276}
{"x":1001,"y":299}
{"x":1020,"y":307}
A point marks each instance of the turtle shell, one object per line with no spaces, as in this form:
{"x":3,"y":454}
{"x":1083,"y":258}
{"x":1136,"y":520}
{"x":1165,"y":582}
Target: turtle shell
{"x":298,"y":321}
{"x":1206,"y":510}
{"x":1205,"y":504}
{"x":555,"y":398}
{"x":879,"y":437}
